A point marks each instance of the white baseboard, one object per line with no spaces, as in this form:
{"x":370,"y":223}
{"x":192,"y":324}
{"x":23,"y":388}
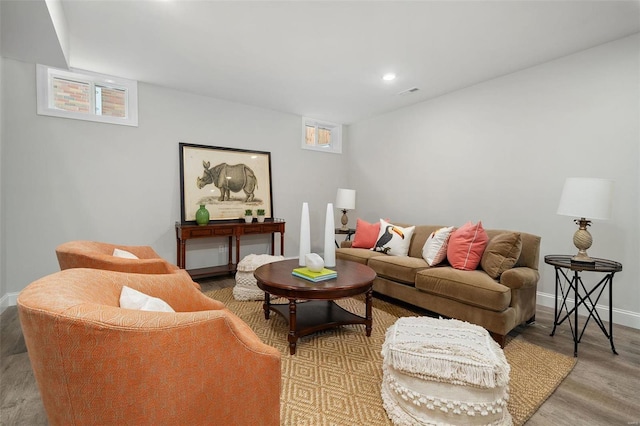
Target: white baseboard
{"x":620,"y":316}
{"x":7,"y":300}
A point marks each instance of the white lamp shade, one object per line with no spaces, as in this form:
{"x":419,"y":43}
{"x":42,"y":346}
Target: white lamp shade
{"x":346,"y":199}
{"x":588,"y":198}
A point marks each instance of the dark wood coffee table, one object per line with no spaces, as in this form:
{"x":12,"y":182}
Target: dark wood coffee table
{"x":318,"y":311}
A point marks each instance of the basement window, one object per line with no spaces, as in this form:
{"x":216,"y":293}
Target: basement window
{"x":321,"y":136}
{"x":84,"y":95}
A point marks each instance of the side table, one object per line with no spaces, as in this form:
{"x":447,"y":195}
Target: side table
{"x":348,"y":232}
{"x":569,"y":278}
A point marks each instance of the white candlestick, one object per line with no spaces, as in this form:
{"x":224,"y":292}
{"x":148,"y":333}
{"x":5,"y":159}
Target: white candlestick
{"x":305,"y":234}
{"x":329,"y":239}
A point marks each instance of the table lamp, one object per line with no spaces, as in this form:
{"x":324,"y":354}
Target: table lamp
{"x":586,"y":198}
{"x":345,"y":200}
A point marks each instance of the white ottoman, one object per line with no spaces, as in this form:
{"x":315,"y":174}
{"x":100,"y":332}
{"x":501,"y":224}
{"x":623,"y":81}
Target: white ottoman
{"x":443,"y":372}
{"x":246,"y":287}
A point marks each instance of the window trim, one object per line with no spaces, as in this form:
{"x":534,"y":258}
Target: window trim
{"x":45,"y":74}
{"x":335,"y":147}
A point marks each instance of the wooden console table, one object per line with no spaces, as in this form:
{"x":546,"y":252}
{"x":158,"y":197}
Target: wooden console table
{"x":229,"y":229}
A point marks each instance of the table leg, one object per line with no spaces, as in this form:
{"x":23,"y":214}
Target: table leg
{"x":266,"y":304}
{"x":613,"y":348}
{"x":575,"y":313}
{"x":555,"y":305}
{"x":369,"y":317}
{"x":293,"y":338}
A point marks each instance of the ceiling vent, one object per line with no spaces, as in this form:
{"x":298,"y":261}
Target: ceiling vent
{"x":406,"y":92}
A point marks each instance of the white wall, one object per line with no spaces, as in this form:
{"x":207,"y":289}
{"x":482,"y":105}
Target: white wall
{"x":500,"y":152}
{"x":68,"y":179}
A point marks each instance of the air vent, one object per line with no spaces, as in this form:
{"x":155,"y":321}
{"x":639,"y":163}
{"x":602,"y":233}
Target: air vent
{"x":406,"y":92}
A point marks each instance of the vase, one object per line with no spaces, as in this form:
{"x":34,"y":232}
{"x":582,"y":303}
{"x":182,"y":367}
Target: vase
{"x":248,"y":219}
{"x":329,"y":239}
{"x":305,"y":235}
{"x":202,"y":215}
{"x":261,"y":218}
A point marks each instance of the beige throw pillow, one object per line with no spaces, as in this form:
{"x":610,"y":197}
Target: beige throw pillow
{"x":501,"y":253}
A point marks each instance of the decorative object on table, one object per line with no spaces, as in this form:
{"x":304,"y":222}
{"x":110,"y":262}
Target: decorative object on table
{"x":248,"y":215}
{"x":586,"y":198}
{"x":329,"y":239}
{"x":322,"y":275}
{"x":430,"y":364}
{"x":345,"y":200}
{"x":260,"y":215}
{"x":305,"y":234}
{"x":202,"y":215}
{"x":246,"y":287}
{"x":227,"y":180}
{"x":314,"y":262}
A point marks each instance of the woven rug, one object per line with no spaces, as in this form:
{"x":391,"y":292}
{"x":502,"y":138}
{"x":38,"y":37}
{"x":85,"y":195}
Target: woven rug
{"x":335,"y":376}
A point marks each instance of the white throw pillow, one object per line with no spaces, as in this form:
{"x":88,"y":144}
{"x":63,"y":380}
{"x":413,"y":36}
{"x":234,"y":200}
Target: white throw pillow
{"x":434,"y":250}
{"x":133,"y":299}
{"x":393,"y":240}
{"x":125,"y":254}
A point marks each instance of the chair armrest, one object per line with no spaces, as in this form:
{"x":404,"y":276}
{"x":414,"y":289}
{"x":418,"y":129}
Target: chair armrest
{"x":515,"y":278}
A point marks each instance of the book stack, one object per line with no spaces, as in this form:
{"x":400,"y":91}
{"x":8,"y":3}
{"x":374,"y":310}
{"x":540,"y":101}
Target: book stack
{"x":324,"y":274}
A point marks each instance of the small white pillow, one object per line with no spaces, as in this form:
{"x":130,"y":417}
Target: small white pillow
{"x":133,"y":299}
{"x":434,"y":250}
{"x":393,"y":240}
{"x":125,"y":254}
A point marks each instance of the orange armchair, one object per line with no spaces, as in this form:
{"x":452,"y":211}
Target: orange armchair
{"x":98,"y":255}
{"x":96,"y":363}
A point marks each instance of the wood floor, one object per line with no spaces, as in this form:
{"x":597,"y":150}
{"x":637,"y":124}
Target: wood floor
{"x":603,"y":388}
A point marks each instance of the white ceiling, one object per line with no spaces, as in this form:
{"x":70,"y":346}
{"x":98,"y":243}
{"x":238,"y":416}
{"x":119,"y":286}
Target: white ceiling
{"x":324,"y":59}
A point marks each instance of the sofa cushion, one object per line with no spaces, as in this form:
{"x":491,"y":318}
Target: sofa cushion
{"x":393,"y":240}
{"x":474,"y":288}
{"x":366,"y":234}
{"x":356,"y":254}
{"x":398,"y":268}
{"x":434,"y":250}
{"x":466,"y":245}
{"x":501,"y":253}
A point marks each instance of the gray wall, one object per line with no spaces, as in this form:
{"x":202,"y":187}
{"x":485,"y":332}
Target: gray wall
{"x":500,"y":151}
{"x":69,"y":179}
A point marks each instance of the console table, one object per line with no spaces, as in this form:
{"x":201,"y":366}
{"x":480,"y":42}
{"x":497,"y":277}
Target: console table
{"x":228,"y":229}
{"x":569,"y":278}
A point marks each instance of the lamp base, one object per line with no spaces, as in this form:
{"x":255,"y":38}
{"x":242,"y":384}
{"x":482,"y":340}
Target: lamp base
{"x":582,"y":240}
{"x":344,"y":220}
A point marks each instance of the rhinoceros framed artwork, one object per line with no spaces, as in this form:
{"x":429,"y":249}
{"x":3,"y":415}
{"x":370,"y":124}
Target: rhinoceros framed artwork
{"x":227,"y":181}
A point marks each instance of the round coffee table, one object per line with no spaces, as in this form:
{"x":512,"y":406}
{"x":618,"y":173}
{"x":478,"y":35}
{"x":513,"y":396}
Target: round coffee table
{"x":318,"y":311}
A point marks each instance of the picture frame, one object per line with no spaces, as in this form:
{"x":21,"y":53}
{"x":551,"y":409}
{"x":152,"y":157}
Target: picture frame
{"x":227,"y":181}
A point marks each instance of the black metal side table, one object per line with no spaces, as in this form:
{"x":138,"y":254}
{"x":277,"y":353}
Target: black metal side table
{"x":568,"y":278}
{"x":348,"y":232}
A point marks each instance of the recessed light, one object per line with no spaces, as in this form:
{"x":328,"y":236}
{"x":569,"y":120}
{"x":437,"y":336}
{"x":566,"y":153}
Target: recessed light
{"x":389,"y":76}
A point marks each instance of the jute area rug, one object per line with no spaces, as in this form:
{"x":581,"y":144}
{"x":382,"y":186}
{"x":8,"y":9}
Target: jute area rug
{"x":335,"y":376}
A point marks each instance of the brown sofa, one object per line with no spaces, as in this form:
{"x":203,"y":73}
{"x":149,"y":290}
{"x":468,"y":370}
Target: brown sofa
{"x":498,"y":305}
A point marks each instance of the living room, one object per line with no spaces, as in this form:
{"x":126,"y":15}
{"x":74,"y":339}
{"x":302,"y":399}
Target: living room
{"x":497,"y":151}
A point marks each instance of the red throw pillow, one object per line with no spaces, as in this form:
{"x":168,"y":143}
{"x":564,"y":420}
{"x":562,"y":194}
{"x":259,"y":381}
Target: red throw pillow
{"x":466,"y":246}
{"x":366,"y":234}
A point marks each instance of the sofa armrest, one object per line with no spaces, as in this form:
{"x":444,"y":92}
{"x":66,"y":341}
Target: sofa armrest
{"x":345,"y":244}
{"x":515,"y":278}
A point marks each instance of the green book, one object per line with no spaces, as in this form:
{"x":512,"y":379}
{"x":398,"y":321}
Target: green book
{"x":305,"y":272}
